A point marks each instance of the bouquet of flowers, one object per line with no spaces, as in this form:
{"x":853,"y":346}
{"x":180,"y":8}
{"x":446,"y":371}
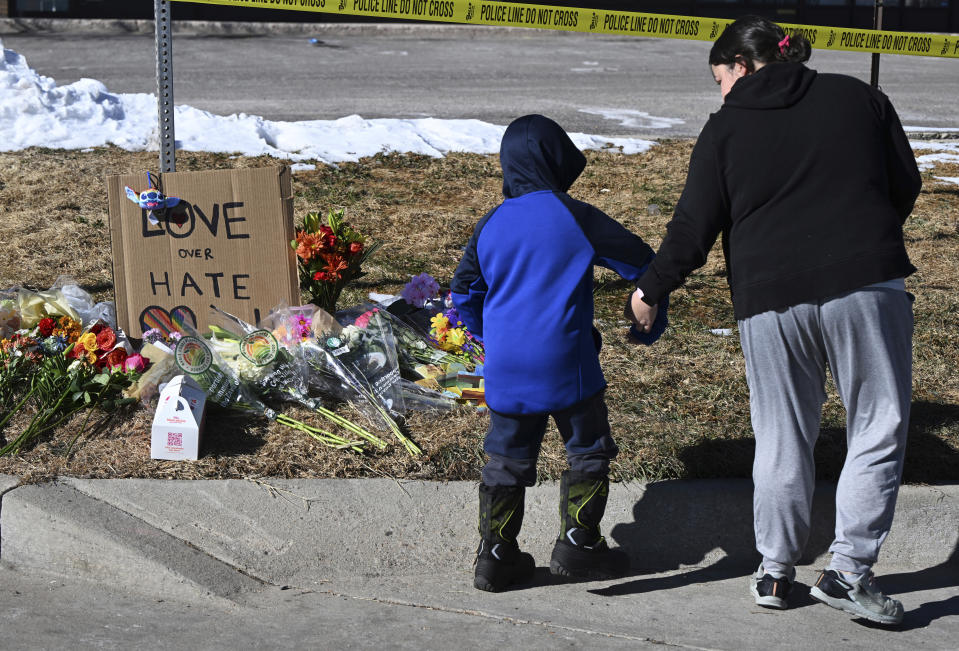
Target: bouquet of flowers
{"x":329,"y":256}
{"x":450,"y":335}
{"x":195,"y":357}
{"x":366,"y":344}
{"x":57,"y":370}
{"x":299,"y":330}
{"x":412,"y":348}
{"x":440,"y":323}
{"x":336,"y":368}
{"x":259,"y":359}
{"x":100,"y":346}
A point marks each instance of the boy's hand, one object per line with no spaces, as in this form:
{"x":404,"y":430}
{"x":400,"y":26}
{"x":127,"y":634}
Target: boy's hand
{"x":641,"y":314}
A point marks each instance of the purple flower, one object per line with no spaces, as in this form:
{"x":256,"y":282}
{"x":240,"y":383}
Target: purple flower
{"x":152,"y":336}
{"x":420,"y":289}
{"x":454,"y":317}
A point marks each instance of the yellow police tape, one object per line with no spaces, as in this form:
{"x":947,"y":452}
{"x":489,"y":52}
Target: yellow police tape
{"x":603,"y":21}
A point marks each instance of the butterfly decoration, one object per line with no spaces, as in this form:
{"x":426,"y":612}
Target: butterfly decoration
{"x":152,"y":199}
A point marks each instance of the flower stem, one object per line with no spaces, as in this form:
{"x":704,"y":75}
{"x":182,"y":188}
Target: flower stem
{"x":16,"y":409}
{"x":331,"y":440}
{"x":351,"y":426}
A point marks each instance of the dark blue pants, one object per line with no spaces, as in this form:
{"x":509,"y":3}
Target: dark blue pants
{"x":513,"y":442}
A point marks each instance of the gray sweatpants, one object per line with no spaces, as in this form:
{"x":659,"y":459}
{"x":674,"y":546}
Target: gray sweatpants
{"x":865,"y":337}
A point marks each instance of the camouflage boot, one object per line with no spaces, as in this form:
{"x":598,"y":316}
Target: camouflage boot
{"x":581,"y":550}
{"x":499,"y":561}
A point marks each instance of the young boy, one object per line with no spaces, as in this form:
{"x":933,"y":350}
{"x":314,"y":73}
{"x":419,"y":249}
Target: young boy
{"x":525,"y":286}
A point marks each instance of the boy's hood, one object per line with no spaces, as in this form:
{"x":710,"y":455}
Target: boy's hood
{"x":775,"y":85}
{"x":536,"y":154}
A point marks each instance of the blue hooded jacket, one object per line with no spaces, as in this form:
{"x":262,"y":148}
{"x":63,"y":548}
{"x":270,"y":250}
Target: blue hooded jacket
{"x":525,"y":283}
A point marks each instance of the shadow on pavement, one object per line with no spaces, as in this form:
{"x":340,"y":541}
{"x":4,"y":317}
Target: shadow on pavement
{"x":681,"y":524}
{"x":944,"y":575}
{"x":690,"y":523}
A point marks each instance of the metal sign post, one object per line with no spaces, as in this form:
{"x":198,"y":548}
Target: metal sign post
{"x":877,"y":25}
{"x":164,"y":57}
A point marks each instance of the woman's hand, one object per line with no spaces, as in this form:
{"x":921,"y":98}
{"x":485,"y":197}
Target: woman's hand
{"x":641,"y":314}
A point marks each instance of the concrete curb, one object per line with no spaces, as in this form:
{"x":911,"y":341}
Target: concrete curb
{"x":7,"y":482}
{"x":212,"y":536}
{"x":56,"y":529}
{"x":228,"y":28}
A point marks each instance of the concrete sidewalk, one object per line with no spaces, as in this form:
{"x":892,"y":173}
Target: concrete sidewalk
{"x":266,"y":550}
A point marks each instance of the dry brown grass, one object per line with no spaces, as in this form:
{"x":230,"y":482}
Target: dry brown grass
{"x":679,"y":409}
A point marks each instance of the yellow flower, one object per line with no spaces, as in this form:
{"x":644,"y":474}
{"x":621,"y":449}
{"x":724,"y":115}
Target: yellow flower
{"x":439,"y":323}
{"x":88,"y":341}
{"x":92,"y":357}
{"x":456,"y":337}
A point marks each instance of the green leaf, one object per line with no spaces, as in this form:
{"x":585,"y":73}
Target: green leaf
{"x":101,"y":378}
{"x":87,"y":398}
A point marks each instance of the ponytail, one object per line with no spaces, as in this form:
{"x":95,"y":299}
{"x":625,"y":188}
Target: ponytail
{"x":753,"y":39}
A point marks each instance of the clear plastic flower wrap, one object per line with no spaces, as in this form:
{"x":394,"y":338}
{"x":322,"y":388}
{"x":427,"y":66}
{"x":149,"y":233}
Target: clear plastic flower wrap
{"x":419,"y":398}
{"x":197,"y":358}
{"x":367,"y":344}
{"x":314,"y":338}
{"x":413,"y":347}
{"x":266,"y":364}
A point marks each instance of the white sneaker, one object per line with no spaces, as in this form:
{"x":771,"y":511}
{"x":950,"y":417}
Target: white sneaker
{"x":861,"y":597}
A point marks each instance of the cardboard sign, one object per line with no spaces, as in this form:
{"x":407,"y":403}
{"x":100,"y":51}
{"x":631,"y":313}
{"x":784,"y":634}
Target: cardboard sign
{"x":226,"y":243}
{"x":178,"y":421}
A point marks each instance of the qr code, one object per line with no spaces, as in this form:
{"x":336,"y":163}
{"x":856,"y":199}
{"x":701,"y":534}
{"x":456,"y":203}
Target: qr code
{"x":174,"y":439}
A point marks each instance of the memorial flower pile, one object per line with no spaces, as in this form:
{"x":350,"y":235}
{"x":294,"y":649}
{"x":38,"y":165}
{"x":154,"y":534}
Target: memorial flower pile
{"x":54,"y":370}
{"x":223,"y":385}
{"x":60,"y":354}
{"x":329,"y":256}
{"x":259,"y":359}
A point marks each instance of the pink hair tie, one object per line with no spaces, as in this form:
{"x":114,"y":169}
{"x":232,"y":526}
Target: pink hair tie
{"x":783,"y":44}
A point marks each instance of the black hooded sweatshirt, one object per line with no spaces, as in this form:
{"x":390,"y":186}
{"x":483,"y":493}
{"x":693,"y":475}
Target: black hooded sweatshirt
{"x":809,"y":177}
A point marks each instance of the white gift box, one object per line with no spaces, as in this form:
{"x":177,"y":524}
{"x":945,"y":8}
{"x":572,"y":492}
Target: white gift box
{"x":178,"y":421}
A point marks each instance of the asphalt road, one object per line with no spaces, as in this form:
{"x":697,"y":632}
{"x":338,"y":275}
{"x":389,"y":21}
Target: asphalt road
{"x":617,"y":86}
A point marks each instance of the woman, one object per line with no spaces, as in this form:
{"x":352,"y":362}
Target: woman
{"x":809,"y":178}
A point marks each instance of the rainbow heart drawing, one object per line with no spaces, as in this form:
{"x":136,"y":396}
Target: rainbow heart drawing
{"x":167,"y":323}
